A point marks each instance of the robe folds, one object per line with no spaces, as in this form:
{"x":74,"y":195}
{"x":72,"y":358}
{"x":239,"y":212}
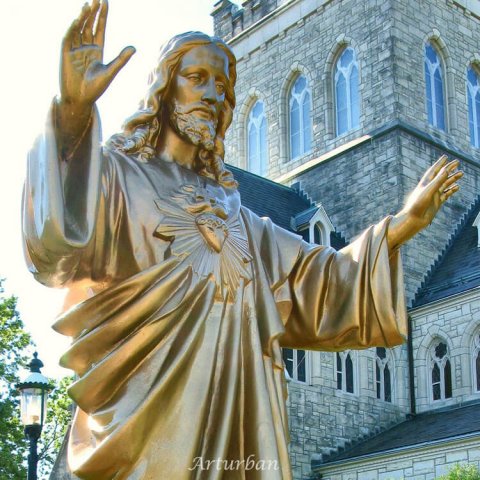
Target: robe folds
{"x":179,"y":302}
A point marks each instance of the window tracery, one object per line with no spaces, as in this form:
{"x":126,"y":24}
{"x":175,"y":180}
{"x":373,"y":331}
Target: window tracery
{"x":347,"y":100}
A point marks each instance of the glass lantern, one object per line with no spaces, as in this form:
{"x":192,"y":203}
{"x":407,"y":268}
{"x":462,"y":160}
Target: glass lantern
{"x":33,"y":395}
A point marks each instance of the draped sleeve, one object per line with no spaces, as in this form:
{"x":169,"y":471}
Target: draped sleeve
{"x":352,"y":298}
{"x":60,"y":205}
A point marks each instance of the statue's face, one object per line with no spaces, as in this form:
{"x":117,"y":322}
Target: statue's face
{"x":197,"y":94}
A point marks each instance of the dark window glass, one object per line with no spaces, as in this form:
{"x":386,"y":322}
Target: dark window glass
{"x":339,"y":372}
{"x":381,"y":353}
{"x":436,"y":382}
{"x":448,"y":379}
{"x":288,"y":360}
{"x":441,"y":350}
{"x":378,"y":380}
{"x":349,"y":373}
{"x":301,"y":371}
{"x":477,"y":363}
{"x":388,"y":384}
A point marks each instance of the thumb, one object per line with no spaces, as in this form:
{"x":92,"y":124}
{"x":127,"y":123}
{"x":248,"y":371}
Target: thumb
{"x":112,"y":68}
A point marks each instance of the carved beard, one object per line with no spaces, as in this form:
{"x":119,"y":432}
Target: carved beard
{"x":196,"y":130}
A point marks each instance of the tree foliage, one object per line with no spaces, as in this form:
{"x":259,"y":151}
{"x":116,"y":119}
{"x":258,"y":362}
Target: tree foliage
{"x":16,"y":349}
{"x":462,"y":472}
{"x":59,"y":415}
{"x":14,"y":343}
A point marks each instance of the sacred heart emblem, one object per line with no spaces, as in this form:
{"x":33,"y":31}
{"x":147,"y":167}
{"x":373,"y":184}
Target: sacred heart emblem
{"x":213,"y":229}
{"x":201,"y":234}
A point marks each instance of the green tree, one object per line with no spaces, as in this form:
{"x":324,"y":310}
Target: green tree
{"x":59,"y":415}
{"x":462,"y":472}
{"x":16,"y":349}
{"x":14,"y":343}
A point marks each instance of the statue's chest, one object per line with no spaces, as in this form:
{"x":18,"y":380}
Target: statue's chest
{"x":203,"y":227}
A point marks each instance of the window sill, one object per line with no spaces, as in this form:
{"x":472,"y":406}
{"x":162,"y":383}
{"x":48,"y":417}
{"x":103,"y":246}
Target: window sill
{"x":343,"y":393}
{"x":300,"y":157}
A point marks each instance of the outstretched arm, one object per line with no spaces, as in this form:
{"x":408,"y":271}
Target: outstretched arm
{"x":436,"y":186}
{"x":83,"y":75}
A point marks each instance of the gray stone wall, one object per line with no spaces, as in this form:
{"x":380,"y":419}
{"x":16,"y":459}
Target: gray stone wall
{"x":381,"y":160}
{"x":309,"y":46}
{"x":372,"y":180}
{"x":455,"y":321}
{"x":455,"y":32}
{"x":420,"y":464}
{"x":323,"y":419}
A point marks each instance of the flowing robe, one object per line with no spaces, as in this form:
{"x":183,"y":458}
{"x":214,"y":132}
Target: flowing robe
{"x":181,"y":300}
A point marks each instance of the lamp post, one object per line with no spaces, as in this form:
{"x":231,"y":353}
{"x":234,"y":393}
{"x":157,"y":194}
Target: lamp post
{"x":33,"y":405}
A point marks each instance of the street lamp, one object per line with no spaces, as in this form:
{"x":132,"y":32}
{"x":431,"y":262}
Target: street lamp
{"x":33,"y":405}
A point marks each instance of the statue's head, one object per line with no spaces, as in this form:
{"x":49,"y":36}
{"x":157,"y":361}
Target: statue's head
{"x":199,"y":110}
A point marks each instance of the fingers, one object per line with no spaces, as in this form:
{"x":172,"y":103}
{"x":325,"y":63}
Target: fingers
{"x":87,"y":33}
{"x":72,"y":38}
{"x":118,"y":63}
{"x":449,"y":192}
{"x":80,"y":31}
{"x":450,"y":176}
{"x":432,"y":172}
{"x":99,"y":37}
{"x":451,"y":179}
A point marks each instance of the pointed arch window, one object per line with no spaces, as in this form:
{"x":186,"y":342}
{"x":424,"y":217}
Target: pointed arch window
{"x":440,"y":371}
{"x":300,"y":121}
{"x":473,"y":95}
{"x":476,"y":361}
{"x":345,"y":371}
{"x":383,"y":375}
{"x":347,"y":100}
{"x":257,"y":139}
{"x":434,"y":85}
{"x":296,"y":364}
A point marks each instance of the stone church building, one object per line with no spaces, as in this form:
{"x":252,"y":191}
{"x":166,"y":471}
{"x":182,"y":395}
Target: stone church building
{"x":348,"y":102}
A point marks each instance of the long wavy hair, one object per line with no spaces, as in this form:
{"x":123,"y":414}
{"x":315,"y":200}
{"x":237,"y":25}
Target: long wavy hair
{"x":141,"y":131}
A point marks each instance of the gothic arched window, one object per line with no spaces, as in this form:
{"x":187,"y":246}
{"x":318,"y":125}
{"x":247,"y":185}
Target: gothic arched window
{"x":473,"y":95}
{"x":476,"y":361}
{"x":347,"y":100}
{"x":300,"y":122}
{"x":296,"y":363}
{"x":434,"y":88}
{"x":345,"y":371}
{"x":383,"y":376}
{"x":257,"y":139}
{"x":441,"y":371}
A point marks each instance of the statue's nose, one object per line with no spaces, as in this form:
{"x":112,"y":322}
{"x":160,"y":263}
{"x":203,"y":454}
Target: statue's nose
{"x":210,"y":92}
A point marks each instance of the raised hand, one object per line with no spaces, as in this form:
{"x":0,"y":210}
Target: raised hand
{"x":83,"y":76}
{"x":436,"y":186}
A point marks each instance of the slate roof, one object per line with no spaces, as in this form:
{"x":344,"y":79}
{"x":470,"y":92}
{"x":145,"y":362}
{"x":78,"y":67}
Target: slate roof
{"x":269,"y":199}
{"x":458,"y":269}
{"x":423,"y":428}
{"x":305,"y":216}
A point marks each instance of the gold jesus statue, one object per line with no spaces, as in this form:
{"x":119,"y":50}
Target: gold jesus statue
{"x":180,"y":299}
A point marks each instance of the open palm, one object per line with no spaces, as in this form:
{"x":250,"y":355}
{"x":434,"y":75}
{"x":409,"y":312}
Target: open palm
{"x":436,"y":186}
{"x":83,"y":75}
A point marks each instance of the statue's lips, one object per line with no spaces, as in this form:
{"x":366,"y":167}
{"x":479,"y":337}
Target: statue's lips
{"x":203,"y":112}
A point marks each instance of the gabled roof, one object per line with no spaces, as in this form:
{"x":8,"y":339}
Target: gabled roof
{"x":305,"y":216}
{"x":458,"y":269}
{"x":425,"y":428}
{"x":269,"y":199}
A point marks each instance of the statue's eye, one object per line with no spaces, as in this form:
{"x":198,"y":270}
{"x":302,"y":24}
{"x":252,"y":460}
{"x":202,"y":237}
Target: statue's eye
{"x":194,"y":78}
{"x":220,"y":88}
